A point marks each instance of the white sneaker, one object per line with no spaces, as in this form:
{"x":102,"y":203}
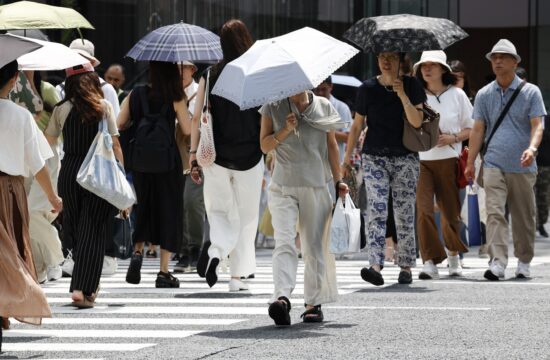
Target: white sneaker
{"x":42,"y":277}
{"x":522,"y":270}
{"x":54,"y":272}
{"x":237,"y":285}
{"x":495,"y":271}
{"x":455,"y":267}
{"x":110,"y":265}
{"x":429,"y":271}
{"x":68,"y":265}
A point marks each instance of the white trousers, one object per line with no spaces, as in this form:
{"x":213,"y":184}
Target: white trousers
{"x":312,"y":206}
{"x":45,"y":243}
{"x":232,"y":201}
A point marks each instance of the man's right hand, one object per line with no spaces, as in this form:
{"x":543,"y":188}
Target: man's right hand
{"x":470,"y":172}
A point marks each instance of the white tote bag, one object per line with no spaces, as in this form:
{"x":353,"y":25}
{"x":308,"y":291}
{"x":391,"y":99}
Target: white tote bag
{"x":102,"y":175}
{"x":206,"y":152}
{"x":345,"y":230}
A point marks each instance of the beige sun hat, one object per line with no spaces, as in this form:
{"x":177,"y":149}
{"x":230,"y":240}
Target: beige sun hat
{"x":188,"y":63}
{"x":85,"y":48}
{"x":435,"y":56}
{"x":504,"y":46}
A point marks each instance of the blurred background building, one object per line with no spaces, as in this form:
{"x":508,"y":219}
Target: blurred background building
{"x":121,"y":23}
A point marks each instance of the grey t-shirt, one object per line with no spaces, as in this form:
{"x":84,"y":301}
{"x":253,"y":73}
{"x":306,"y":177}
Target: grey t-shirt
{"x":513,"y":135}
{"x":300,"y":160}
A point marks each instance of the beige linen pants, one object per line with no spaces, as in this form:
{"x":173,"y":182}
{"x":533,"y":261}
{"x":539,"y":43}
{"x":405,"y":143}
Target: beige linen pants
{"x":313,"y":207}
{"x":45,"y":242}
{"x":232,"y":203}
{"x":516,"y":190}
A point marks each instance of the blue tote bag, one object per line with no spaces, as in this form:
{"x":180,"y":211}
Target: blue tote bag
{"x":474,"y":224}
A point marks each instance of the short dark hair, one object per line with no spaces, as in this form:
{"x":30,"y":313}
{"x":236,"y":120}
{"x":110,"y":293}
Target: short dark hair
{"x":458,"y":66}
{"x":521,"y":72}
{"x":7,"y":72}
{"x":327,"y":81}
{"x":447,"y":77}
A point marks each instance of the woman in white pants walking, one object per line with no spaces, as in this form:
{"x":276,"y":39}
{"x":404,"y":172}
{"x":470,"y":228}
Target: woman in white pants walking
{"x":306,"y":153}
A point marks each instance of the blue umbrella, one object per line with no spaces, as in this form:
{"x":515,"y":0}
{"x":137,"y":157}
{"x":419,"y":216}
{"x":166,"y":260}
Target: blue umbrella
{"x":177,"y":43}
{"x":474,"y":224}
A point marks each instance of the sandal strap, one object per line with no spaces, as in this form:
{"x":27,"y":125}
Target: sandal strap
{"x":316,"y":310}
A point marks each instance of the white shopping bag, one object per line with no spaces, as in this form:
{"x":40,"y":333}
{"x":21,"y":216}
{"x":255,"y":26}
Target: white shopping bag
{"x":345,"y":230}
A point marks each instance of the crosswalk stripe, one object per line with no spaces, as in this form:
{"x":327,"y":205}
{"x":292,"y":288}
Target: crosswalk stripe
{"x":76,"y":347}
{"x":66,"y":333}
{"x":210,"y":310}
{"x":139,"y":321}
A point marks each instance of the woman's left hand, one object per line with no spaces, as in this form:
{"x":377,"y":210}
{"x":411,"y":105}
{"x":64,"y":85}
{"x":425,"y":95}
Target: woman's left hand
{"x":445,"y":139}
{"x":342,"y":188}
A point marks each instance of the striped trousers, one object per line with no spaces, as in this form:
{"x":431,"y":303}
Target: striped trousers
{"x":84,"y":219}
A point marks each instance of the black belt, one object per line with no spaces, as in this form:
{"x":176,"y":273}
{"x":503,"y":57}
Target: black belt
{"x":4,"y":174}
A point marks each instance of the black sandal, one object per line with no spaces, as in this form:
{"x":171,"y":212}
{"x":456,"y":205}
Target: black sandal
{"x":279,"y":311}
{"x":151,"y":254}
{"x":313,"y":315}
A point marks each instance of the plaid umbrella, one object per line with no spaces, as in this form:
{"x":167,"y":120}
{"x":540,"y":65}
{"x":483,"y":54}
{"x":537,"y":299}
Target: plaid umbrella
{"x":177,"y":43}
{"x":403,"y":33}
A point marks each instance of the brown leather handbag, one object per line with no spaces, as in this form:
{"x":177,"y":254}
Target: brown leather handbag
{"x":426,"y":136}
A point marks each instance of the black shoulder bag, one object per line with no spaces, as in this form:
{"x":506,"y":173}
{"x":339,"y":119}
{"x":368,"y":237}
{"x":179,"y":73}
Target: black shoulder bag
{"x":485,"y":145}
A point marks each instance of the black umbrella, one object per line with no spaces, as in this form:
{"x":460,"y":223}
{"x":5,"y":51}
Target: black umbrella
{"x":403,"y":33}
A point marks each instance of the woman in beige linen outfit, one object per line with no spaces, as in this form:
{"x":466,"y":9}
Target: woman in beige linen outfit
{"x":301,"y":131}
{"x":23,"y":150}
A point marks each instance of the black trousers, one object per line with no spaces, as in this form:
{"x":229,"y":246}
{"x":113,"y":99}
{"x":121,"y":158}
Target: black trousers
{"x":85,"y":218}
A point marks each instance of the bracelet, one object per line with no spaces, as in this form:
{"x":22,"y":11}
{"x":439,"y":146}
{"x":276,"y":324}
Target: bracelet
{"x":276,"y":140}
{"x":192,"y":151}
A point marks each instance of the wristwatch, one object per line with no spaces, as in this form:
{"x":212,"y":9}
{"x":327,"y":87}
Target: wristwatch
{"x":534,"y":150}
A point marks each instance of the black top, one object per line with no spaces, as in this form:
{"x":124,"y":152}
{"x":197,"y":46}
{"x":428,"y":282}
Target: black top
{"x":78,"y":136}
{"x":236,"y":132}
{"x":384,"y":112}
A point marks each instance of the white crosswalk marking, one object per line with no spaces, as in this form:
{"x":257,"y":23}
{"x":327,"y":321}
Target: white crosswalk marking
{"x":175,"y":313}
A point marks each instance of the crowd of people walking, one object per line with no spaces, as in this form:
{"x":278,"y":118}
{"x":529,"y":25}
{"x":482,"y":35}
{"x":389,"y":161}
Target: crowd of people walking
{"x":205,"y":215}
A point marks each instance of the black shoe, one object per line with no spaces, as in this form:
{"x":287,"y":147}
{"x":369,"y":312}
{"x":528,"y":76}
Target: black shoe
{"x":405,"y":277}
{"x":182,"y":265}
{"x":133,"y":276}
{"x":202,"y":262}
{"x":542,"y":231}
{"x":211,"y":274}
{"x":251,"y":276}
{"x":279,"y":311}
{"x":490,"y":276}
{"x":372,"y":276}
{"x":166,"y":280}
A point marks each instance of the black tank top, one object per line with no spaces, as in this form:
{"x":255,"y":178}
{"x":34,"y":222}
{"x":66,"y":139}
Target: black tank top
{"x":77,"y":136}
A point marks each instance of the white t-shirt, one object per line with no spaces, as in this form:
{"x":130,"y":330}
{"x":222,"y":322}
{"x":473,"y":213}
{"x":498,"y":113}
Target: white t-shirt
{"x":23,"y":148}
{"x":345,"y":114}
{"x":455,"y":112}
{"x":191,"y":91}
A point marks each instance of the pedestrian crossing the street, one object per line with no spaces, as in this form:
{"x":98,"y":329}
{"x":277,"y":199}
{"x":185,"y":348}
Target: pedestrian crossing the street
{"x":129,"y":318}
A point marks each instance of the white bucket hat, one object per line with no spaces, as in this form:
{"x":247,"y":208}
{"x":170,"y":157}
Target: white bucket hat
{"x":435,"y":56}
{"x":85,"y":48}
{"x":188,"y":63}
{"x":504,"y":46}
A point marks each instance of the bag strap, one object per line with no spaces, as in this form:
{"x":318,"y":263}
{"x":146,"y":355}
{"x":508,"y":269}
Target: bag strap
{"x":206,"y":90}
{"x":501,"y":117}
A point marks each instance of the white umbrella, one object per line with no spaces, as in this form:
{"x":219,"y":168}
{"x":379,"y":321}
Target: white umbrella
{"x":276,"y":68}
{"x":51,"y":56}
{"x":346,"y":80}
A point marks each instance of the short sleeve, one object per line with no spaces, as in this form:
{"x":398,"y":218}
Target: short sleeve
{"x":417,"y":94}
{"x":466,"y":120}
{"x":110,"y":117}
{"x":360,"y":100}
{"x":54,"y":126}
{"x":478,"y":114}
{"x":34,"y":161}
{"x":266,"y":110}
{"x":536,"y":108}
{"x":111,"y":96}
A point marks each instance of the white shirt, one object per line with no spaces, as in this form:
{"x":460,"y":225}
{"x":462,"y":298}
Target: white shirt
{"x":190,"y":91}
{"x":23,"y":148}
{"x":345,"y":114}
{"x":455,"y":112}
{"x":109,"y":94}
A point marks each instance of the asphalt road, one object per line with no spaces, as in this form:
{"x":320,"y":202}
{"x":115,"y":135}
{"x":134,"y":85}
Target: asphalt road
{"x":451,"y":318}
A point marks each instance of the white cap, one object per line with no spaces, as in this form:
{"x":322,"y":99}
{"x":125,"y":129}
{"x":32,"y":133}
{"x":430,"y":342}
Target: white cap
{"x":435,"y":56}
{"x":85,"y":48}
{"x":504,"y":46}
{"x":188,"y":63}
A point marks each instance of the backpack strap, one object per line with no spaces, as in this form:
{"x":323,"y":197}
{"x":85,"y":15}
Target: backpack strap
{"x":144,"y":102}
